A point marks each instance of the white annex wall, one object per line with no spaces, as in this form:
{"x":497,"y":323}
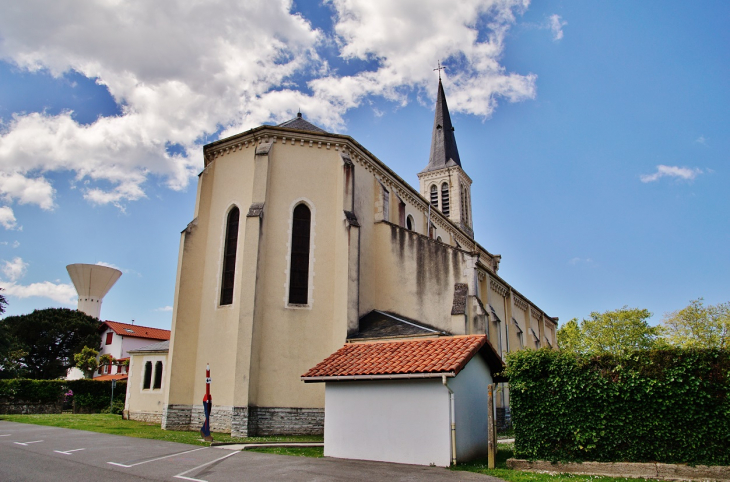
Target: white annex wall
{"x":470,"y":404}
{"x":403,"y":421}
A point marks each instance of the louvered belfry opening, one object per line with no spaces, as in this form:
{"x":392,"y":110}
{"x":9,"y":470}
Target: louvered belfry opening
{"x":229,"y":257}
{"x":434,"y":197}
{"x":299,"y":269}
{"x":445,"y":199}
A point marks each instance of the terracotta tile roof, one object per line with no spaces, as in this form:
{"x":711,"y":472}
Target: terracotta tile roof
{"x":125,"y":329}
{"x":422,"y":356}
{"x":105,"y":378}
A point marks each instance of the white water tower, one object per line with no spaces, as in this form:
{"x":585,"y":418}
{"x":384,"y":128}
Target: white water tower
{"x":92,"y":282}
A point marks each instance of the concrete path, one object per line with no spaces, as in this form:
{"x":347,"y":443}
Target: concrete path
{"x":37,"y":453}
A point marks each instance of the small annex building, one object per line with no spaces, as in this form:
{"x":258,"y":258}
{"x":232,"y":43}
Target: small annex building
{"x":394,"y":401}
{"x":145,"y":389}
{"x":119,"y":339}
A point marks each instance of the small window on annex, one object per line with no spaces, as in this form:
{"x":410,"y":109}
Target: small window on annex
{"x":147,"y":382}
{"x":158,"y":375}
{"x":409,"y":223}
{"x":229,"y":257}
{"x":299,"y":267}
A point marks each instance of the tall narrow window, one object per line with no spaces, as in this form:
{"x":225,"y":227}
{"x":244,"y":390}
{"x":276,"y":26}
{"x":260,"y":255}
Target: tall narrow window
{"x":229,"y":257}
{"x":147,"y":376}
{"x":434,"y":197}
{"x":299,"y":269}
{"x":401,"y":213}
{"x":445,"y":199}
{"x":158,"y":375}
{"x":463,"y":205}
{"x":409,"y":223}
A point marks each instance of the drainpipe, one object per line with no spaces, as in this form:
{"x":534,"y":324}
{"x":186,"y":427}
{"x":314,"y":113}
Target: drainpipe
{"x":452,"y":419}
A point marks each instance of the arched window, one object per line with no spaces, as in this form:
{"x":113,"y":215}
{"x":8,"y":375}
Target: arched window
{"x":147,"y":376}
{"x":438,"y":238}
{"x":445,"y":199}
{"x":299,"y":269}
{"x":158,"y":375}
{"x":434,"y":197}
{"x":229,"y":257}
{"x":409,"y":223}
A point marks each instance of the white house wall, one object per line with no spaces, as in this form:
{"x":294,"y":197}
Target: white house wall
{"x":470,"y":403}
{"x":403,"y":421}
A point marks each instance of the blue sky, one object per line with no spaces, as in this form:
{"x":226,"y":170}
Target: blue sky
{"x":597,"y":134}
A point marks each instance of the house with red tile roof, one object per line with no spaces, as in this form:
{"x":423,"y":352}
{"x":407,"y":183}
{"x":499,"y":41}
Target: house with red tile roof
{"x":118,"y":339}
{"x":418,"y":401}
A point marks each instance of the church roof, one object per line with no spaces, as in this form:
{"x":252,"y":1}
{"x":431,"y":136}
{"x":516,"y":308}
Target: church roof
{"x":154,"y":347}
{"x":443,"y":142}
{"x":379,"y":324}
{"x":433,"y":356}
{"x":300,"y":124}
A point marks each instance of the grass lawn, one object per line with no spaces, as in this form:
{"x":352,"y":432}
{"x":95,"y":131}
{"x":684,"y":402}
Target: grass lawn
{"x":505,"y":451}
{"x":113,"y":424}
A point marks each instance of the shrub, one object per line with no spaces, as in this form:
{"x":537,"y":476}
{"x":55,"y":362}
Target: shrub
{"x":668,"y":405}
{"x":88,"y":395}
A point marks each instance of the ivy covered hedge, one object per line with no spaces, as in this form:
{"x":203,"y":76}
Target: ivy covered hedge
{"x":88,"y":395}
{"x":669,"y":405}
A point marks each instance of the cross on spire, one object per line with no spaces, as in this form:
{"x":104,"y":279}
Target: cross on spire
{"x":440,"y":69}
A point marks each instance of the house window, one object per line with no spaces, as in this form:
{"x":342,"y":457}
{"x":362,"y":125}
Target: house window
{"x":434,"y":197}
{"x":158,"y":375}
{"x":445,"y":199}
{"x":106,"y":369}
{"x":299,"y":269}
{"x":409,"y":223}
{"x":147,"y":376}
{"x":229,"y":257}
{"x":109,"y":337}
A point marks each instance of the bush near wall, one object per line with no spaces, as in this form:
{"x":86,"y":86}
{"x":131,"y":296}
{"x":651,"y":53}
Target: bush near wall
{"x":89,"y":396}
{"x":669,"y":405}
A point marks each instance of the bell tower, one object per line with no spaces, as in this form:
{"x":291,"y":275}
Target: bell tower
{"x":443,"y":182}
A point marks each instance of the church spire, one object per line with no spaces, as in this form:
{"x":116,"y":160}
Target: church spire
{"x":443,"y":143}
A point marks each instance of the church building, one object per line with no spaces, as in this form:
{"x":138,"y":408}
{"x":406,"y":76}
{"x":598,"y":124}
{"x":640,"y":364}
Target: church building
{"x":302,"y":241}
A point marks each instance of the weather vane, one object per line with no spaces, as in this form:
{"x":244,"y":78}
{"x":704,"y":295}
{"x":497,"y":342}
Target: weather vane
{"x":440,"y":69}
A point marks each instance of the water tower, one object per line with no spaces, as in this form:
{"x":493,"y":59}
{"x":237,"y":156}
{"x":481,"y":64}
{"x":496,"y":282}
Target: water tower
{"x":92,"y":282}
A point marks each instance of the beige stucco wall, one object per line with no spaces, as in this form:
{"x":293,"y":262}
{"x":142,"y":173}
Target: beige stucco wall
{"x":141,"y":400}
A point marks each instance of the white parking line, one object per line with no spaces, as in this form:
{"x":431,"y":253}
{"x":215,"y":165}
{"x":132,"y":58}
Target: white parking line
{"x":26,"y":443}
{"x":67,"y":452}
{"x":182,"y":474}
{"x":158,"y":458}
{"x":5,"y":435}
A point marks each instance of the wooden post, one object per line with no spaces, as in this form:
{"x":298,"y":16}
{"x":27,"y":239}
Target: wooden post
{"x":491,"y":432}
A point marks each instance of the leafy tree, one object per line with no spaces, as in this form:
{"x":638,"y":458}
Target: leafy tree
{"x":86,"y":361}
{"x":699,"y":326}
{"x":617,"y":332}
{"x":50,"y":338}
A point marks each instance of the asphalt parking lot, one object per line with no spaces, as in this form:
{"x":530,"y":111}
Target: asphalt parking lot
{"x":38,"y":453}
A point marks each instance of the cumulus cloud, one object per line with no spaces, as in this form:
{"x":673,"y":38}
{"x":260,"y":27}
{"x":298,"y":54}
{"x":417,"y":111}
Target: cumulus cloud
{"x":14,"y":270}
{"x":183,"y":72}
{"x":7,"y":217}
{"x":684,"y":173}
{"x":556,"y":26}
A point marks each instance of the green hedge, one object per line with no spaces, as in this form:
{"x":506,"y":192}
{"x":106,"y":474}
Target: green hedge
{"x":668,"y":406}
{"x":88,"y":395}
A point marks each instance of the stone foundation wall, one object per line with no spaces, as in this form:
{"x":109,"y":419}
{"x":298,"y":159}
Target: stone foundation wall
{"x":149,"y":417}
{"x":246,"y":421}
{"x":20,"y":407}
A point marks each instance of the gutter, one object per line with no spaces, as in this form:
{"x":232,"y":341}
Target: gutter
{"x":394,"y":376}
{"x":452,"y":420}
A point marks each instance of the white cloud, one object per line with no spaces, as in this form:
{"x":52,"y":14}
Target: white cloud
{"x":164,"y":308}
{"x":108,"y":265}
{"x":7,"y":217}
{"x":701,"y":140}
{"x":556,"y":26}
{"x":684,"y":173}
{"x":183,"y":71}
{"x":580,"y":261}
{"x":15,"y":269}
{"x":60,"y":292}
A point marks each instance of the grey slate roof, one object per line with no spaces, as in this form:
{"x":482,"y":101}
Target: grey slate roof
{"x":300,"y":124}
{"x":154,"y":347}
{"x":443,"y":142}
{"x":379,"y":324}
